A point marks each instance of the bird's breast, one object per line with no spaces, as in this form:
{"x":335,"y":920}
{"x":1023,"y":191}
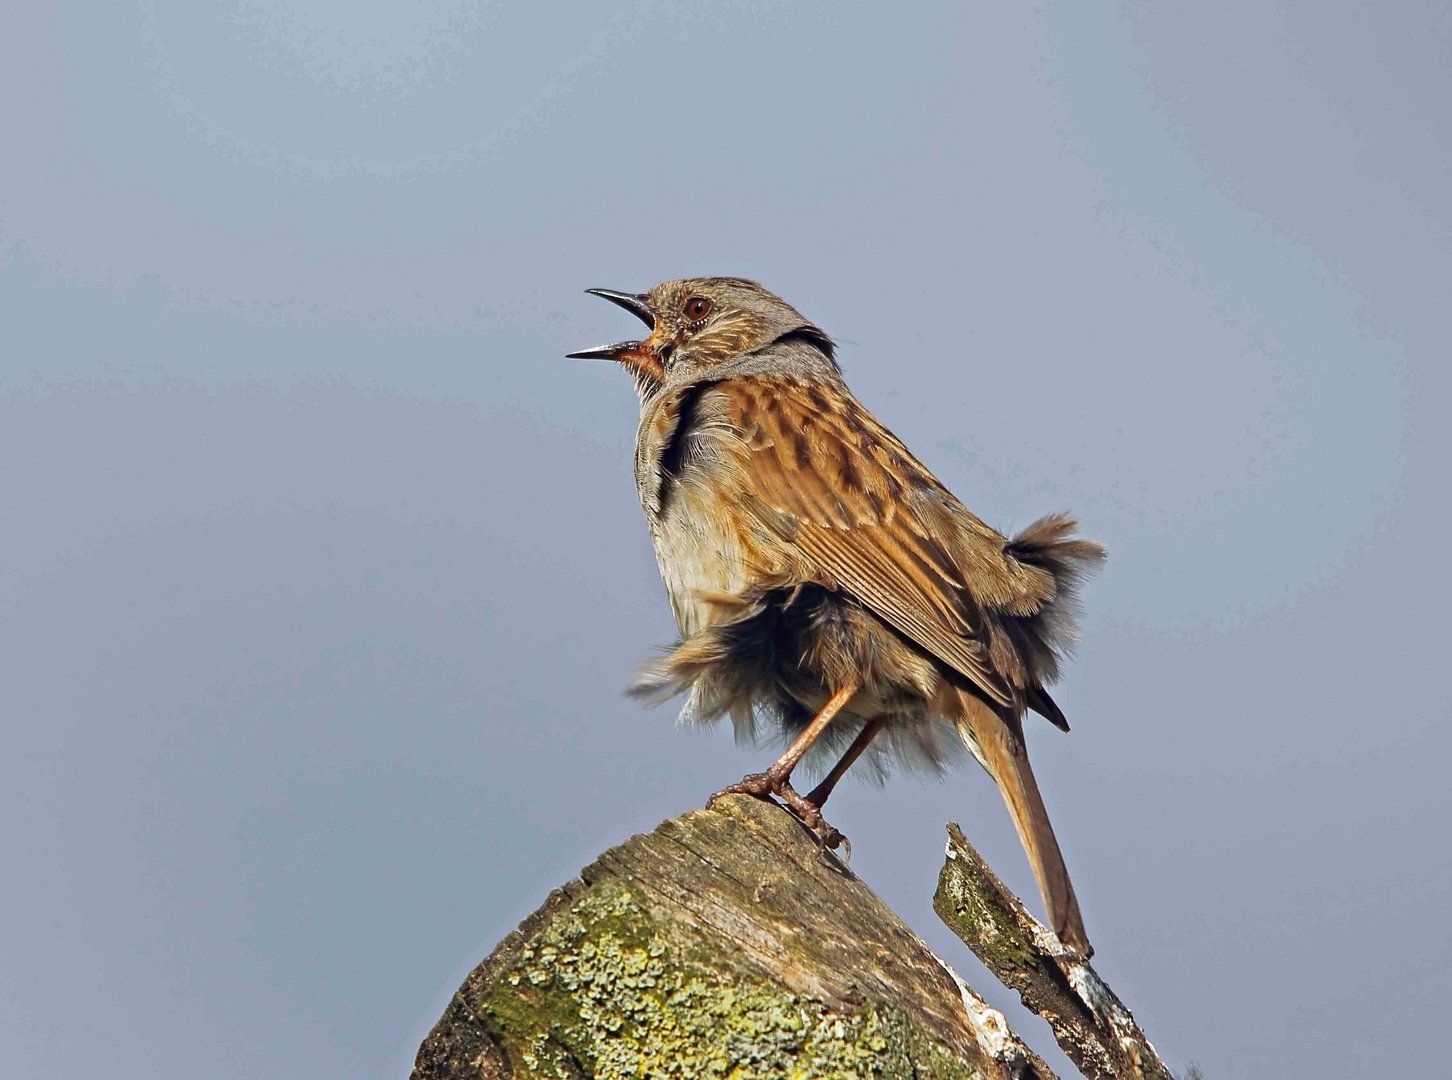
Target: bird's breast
{"x":700,"y":561}
{"x":697,"y":540}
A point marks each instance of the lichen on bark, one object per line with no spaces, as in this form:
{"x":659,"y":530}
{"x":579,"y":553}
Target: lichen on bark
{"x":603,"y":990}
{"x":726,"y":945}
{"x":1092,"y":1026}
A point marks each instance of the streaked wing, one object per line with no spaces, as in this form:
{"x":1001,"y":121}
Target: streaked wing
{"x":862,"y":515}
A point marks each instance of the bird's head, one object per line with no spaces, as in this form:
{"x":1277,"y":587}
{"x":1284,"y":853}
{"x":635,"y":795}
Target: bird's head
{"x":698,"y":323}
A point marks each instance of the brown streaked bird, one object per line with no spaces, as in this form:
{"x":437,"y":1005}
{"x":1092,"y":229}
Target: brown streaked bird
{"x":823,"y":579}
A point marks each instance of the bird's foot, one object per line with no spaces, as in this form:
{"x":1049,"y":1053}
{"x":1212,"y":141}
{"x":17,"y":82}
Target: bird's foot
{"x":764,"y":785}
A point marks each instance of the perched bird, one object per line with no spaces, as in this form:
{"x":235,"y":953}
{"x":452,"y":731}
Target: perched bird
{"x":822,"y":578}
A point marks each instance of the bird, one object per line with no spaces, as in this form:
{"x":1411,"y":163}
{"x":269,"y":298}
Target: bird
{"x":823,"y":581}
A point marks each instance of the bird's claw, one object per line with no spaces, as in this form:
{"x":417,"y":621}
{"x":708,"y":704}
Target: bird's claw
{"x":764,"y":785}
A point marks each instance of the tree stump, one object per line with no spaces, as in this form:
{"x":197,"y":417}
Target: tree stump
{"x":723,"y":944}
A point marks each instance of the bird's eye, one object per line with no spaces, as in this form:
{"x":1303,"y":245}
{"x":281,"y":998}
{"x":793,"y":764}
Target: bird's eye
{"x":697,"y":308}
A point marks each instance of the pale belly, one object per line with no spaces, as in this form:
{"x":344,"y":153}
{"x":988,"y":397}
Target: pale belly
{"x":697,"y":561}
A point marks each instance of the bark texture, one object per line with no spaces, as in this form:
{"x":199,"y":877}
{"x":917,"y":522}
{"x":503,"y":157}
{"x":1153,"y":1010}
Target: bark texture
{"x":723,"y":944}
{"x":1092,"y":1025}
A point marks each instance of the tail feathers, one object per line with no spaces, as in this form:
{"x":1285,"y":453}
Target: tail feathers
{"x":1000,"y":747}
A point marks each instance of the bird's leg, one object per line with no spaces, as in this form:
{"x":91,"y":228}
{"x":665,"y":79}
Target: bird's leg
{"x":777,"y":779}
{"x":818,"y":795}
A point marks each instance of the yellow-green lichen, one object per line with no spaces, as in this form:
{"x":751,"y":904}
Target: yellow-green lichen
{"x":965,"y":904}
{"x":601,"y":991}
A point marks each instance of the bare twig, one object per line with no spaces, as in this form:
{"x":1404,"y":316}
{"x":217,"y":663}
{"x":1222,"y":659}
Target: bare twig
{"x":1092,"y":1025}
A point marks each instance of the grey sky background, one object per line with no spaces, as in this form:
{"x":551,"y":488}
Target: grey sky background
{"x":321,"y":572}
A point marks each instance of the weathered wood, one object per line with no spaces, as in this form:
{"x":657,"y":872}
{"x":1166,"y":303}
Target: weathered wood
{"x":1092,"y":1025}
{"x":724,"y":944}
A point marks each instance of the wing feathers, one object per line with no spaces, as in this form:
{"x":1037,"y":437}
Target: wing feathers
{"x":850,"y":508}
{"x":848,"y":497}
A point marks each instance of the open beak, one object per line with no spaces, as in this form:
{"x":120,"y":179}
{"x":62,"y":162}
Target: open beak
{"x":637,"y":305}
